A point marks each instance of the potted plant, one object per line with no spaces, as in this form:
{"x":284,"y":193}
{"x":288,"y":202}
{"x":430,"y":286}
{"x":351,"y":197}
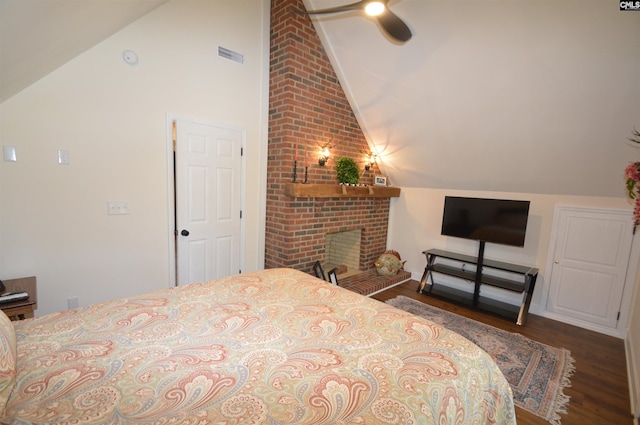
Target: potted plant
{"x":632,"y":175}
{"x":348,"y":172}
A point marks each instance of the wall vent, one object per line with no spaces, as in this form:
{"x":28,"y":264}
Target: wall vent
{"x":223,"y":52}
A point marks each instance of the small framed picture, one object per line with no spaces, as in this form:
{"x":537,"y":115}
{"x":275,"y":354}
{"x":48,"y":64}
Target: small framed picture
{"x":380,"y":181}
{"x":319,"y":272}
{"x":332,"y":277}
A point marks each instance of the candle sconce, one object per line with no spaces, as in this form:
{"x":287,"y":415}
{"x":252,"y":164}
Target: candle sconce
{"x":372,"y":160}
{"x":324,"y":157}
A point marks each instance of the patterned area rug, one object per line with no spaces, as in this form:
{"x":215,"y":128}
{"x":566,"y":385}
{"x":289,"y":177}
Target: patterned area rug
{"x":536,"y":372}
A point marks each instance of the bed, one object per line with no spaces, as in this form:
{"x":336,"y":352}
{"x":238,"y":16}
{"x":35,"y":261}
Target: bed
{"x":271,"y":347}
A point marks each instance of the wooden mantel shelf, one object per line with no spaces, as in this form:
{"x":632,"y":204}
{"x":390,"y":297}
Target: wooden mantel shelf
{"x":300,"y":190}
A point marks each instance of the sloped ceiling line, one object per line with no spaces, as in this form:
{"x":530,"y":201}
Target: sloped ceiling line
{"x":37,"y":37}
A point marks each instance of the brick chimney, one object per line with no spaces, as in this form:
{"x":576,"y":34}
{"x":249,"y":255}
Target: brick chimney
{"x":308,"y":107}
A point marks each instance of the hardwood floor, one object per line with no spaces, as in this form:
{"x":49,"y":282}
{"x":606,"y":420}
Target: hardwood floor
{"x":599,"y":388}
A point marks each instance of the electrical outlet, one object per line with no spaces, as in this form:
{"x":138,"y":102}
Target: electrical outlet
{"x":73,"y":302}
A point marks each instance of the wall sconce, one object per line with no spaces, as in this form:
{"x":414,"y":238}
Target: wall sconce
{"x":324,"y":157}
{"x":372,"y":160}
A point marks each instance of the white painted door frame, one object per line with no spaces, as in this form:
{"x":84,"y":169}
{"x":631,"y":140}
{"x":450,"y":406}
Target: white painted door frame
{"x":172,"y":198}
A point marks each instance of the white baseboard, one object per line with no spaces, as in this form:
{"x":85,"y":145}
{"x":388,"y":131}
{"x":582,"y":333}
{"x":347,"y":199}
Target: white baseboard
{"x":617,"y":333}
{"x":387,"y":287}
{"x":633,"y":372}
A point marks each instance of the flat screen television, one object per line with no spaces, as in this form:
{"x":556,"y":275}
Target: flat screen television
{"x":500,"y":221}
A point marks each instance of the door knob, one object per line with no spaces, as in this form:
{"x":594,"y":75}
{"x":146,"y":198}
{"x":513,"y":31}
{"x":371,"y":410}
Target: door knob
{"x":557,"y":261}
{"x":185,"y":232}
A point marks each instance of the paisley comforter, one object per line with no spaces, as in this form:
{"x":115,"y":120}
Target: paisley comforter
{"x":271,"y":347}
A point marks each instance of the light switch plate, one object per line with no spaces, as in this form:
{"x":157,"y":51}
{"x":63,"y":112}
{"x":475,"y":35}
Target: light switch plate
{"x":117,"y":207}
{"x":9,"y":153}
{"x":63,"y":157}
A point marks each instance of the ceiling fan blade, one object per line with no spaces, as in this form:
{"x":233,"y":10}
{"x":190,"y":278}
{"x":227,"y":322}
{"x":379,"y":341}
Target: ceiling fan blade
{"x":389,"y":21}
{"x":343,"y":8}
{"x":394,"y":26}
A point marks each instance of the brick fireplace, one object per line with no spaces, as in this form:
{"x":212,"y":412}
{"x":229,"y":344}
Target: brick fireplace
{"x":308,"y":107}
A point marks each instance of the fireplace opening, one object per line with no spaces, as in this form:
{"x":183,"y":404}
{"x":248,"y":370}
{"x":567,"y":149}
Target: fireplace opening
{"x":342,"y":252}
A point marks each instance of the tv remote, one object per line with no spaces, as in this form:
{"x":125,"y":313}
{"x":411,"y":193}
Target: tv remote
{"x":13,"y":296}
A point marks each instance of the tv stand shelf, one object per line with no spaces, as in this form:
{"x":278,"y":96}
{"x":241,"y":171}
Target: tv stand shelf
{"x":485,"y":274}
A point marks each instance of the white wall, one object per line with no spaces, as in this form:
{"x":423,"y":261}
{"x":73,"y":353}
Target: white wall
{"x":111,"y":117}
{"x":416,"y":218}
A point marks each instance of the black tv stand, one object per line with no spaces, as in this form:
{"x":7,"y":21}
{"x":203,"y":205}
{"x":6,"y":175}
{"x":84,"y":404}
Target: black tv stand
{"x":487,"y":272}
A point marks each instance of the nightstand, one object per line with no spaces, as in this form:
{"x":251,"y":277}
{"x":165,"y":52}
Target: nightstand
{"x":20,"y":310}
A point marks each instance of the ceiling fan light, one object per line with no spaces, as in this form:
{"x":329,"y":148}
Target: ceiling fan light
{"x":375,"y":8}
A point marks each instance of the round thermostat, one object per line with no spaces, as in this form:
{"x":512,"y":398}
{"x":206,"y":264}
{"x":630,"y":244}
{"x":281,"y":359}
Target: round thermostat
{"x":130,"y":57}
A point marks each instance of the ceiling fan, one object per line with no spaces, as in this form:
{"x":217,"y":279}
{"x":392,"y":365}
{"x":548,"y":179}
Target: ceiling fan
{"x":377,"y":9}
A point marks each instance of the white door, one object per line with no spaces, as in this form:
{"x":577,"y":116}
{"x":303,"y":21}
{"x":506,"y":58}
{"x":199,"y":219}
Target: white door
{"x":590,"y":261}
{"x":208,"y":201}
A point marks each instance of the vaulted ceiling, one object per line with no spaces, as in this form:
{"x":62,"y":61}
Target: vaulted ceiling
{"x":531,"y":96}
{"x":528,"y":96}
{"x":38,"y":36}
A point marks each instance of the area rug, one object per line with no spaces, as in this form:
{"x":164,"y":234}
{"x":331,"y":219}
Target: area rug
{"x":537,"y":373}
